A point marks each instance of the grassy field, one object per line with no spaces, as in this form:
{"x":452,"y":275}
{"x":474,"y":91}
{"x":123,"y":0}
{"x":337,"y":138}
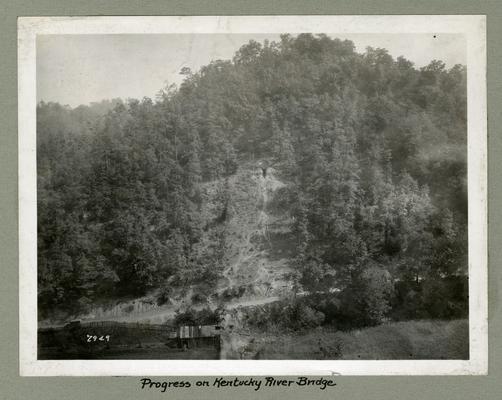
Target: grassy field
{"x":426,"y":339}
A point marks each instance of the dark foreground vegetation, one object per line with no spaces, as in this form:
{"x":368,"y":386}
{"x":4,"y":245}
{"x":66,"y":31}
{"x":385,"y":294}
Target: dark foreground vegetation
{"x":372,"y":151}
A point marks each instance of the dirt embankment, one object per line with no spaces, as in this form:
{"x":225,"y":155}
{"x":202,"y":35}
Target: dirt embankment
{"x":250,"y":237}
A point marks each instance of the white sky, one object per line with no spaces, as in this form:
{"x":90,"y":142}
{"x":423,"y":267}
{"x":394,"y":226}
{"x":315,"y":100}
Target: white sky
{"x":79,"y":69}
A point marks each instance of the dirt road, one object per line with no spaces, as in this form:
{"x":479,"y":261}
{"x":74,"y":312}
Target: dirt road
{"x":163,"y":314}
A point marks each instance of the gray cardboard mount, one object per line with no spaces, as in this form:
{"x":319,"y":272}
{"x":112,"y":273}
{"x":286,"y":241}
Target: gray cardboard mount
{"x":12,"y":386}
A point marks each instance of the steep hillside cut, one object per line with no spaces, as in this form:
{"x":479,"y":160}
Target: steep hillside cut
{"x":254,"y":268}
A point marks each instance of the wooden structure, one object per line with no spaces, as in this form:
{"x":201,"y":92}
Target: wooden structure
{"x":197,"y":335}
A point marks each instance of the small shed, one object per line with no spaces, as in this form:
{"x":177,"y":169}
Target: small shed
{"x":198,"y":331}
{"x":197,"y":335}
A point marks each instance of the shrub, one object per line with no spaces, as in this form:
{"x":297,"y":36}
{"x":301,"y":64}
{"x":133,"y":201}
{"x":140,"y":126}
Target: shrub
{"x":301,"y":316}
{"x":164,"y":295}
{"x":366,"y":300}
{"x":233,"y":292}
{"x":198,"y":298}
{"x":185,"y":318}
{"x":205,"y":316}
{"x":283,"y":316}
{"x":445,"y":298}
{"x":329,"y":305}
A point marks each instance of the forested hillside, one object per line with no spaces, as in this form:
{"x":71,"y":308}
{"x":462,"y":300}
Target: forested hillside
{"x":371,"y":151}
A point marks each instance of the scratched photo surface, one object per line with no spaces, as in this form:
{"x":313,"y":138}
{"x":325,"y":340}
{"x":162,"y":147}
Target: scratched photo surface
{"x":252,"y":196}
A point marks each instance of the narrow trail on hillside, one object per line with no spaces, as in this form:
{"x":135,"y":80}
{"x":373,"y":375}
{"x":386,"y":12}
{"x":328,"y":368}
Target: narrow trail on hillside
{"x":163,"y":314}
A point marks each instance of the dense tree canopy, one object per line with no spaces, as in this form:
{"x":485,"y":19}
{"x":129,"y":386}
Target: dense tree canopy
{"x":373,"y":150}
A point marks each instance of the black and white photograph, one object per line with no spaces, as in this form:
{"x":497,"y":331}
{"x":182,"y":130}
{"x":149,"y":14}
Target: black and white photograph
{"x":314,"y":196}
